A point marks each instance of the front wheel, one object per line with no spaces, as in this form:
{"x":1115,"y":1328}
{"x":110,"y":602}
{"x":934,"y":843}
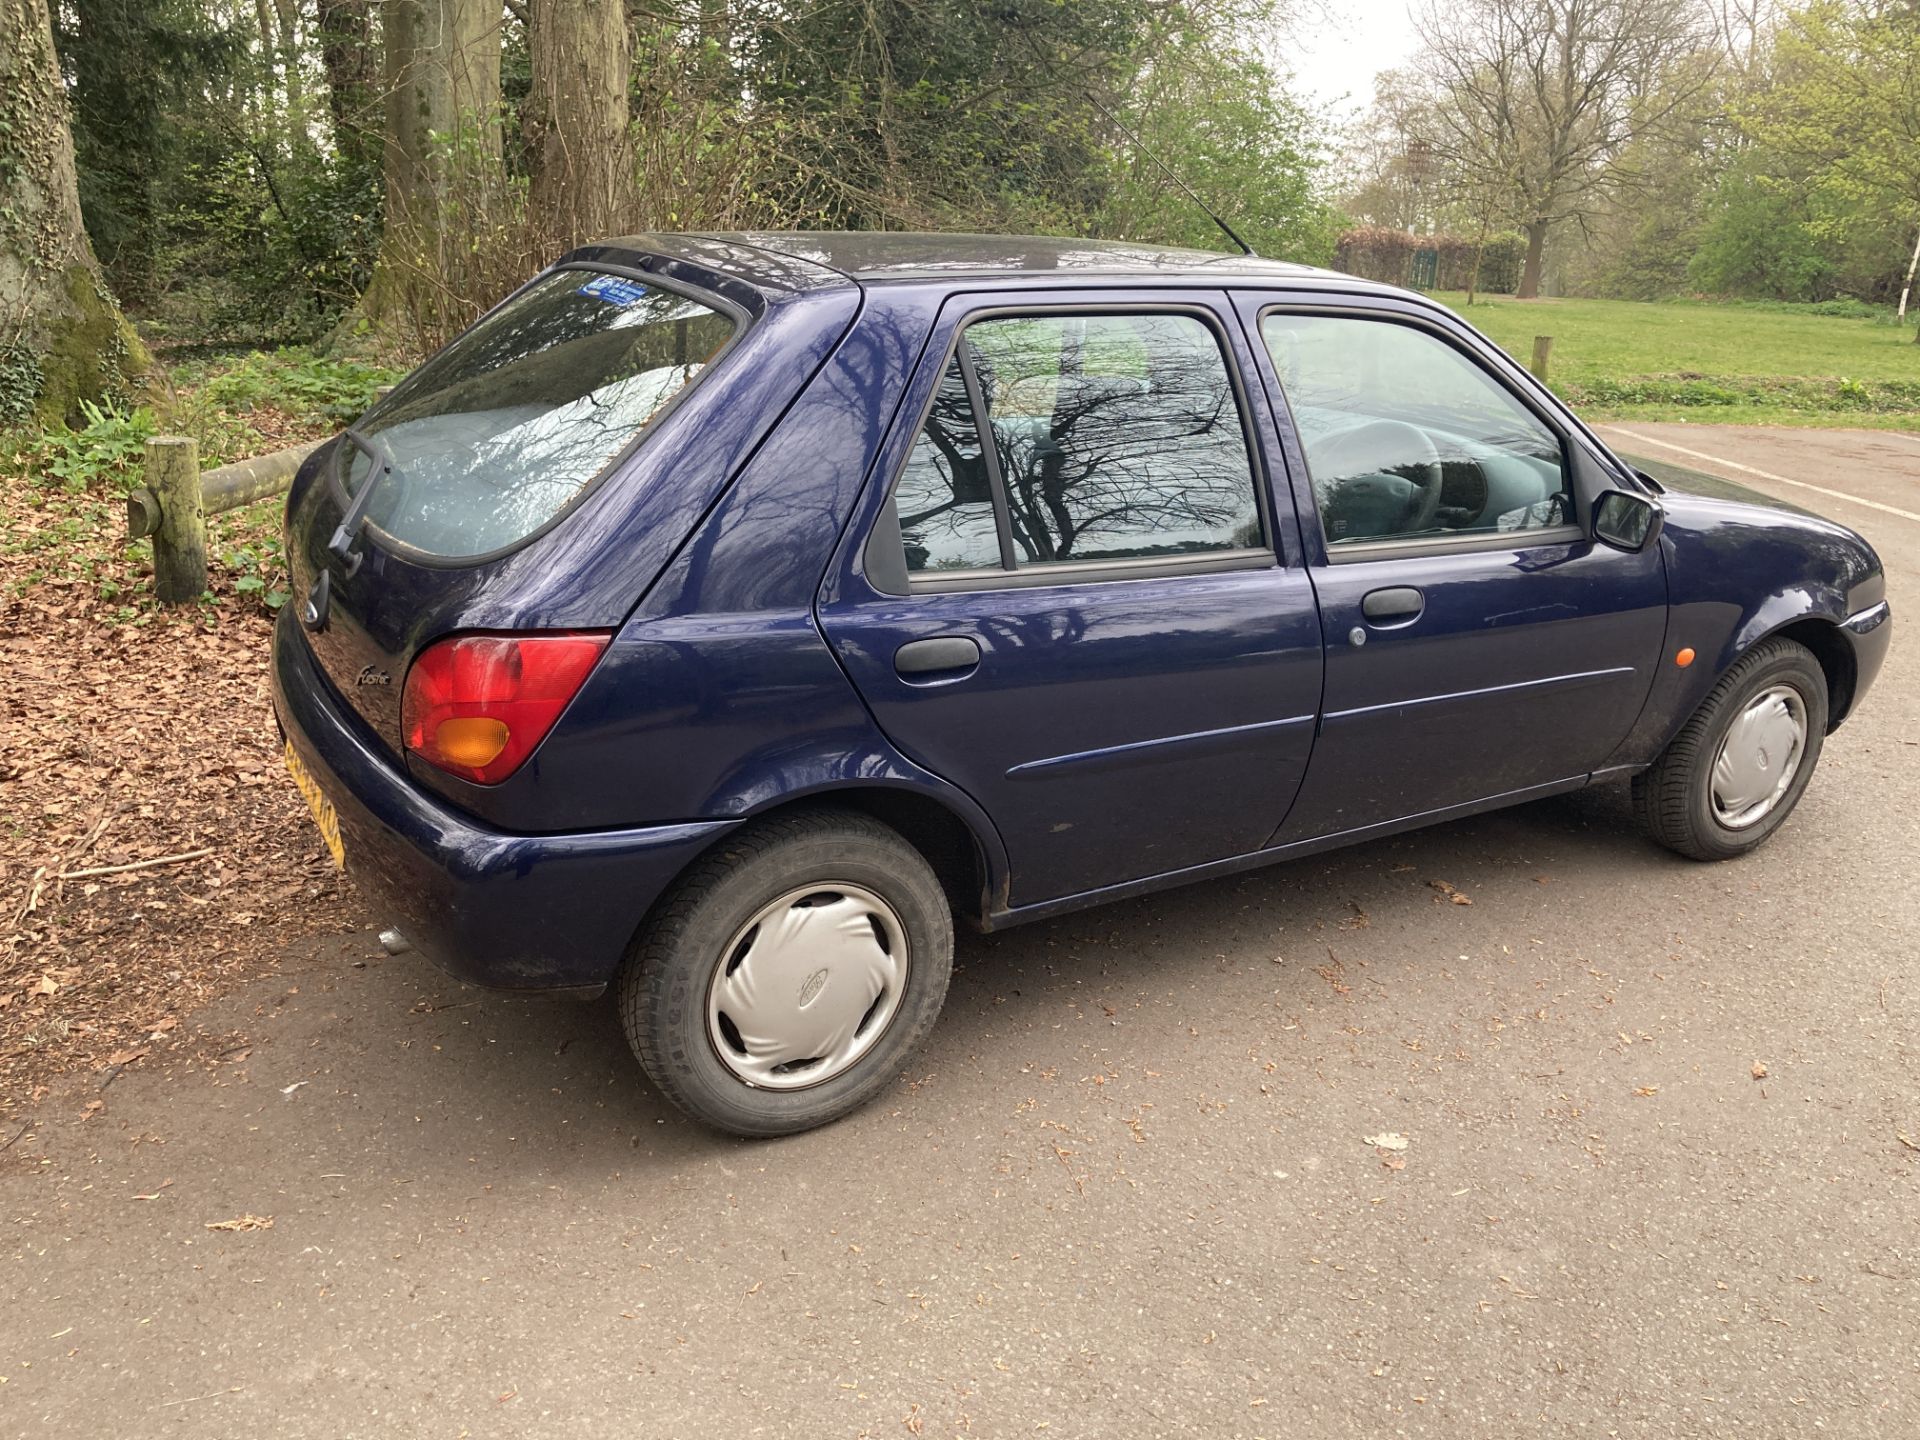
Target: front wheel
{"x":789,"y":973}
{"x":1741,"y":762}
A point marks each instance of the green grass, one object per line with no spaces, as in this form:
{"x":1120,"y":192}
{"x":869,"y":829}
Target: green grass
{"x":1728,"y":364}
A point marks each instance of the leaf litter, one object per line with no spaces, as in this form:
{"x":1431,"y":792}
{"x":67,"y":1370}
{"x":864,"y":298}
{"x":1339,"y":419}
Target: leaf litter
{"x":158,"y":855}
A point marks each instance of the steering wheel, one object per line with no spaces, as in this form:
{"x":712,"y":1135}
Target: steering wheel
{"x":1383,"y":447}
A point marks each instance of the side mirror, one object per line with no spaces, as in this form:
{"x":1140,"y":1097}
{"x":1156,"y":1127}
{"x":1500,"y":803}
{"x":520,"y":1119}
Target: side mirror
{"x":1625,"y":521}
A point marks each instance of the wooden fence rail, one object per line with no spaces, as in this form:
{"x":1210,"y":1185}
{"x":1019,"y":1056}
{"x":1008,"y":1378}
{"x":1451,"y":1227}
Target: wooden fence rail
{"x":174,"y":504}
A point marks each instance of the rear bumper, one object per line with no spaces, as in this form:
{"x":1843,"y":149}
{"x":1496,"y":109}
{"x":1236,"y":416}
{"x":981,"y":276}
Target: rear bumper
{"x":513,"y":912}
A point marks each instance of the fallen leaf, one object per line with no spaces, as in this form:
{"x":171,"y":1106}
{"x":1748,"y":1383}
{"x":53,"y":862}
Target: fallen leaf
{"x":287,"y":1090}
{"x":126,"y":1057}
{"x":94,"y":1107}
{"x":1646,"y":1090}
{"x":1387,"y":1140}
{"x":1452,"y":894}
{"x":46,"y":985}
{"x":1759,"y":1070}
{"x":1394,"y":1162}
{"x":244,"y":1222}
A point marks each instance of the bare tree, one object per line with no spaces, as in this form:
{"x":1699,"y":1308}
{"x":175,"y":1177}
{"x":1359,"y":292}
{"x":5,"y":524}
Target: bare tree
{"x":1535,"y":100}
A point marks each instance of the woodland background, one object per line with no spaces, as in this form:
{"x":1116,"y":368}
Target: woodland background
{"x":364,"y":176}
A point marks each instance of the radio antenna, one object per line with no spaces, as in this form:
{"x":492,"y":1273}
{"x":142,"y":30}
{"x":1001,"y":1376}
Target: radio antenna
{"x":1167,"y":171}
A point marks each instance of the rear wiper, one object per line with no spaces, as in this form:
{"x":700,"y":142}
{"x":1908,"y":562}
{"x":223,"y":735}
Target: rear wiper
{"x":347,"y":533}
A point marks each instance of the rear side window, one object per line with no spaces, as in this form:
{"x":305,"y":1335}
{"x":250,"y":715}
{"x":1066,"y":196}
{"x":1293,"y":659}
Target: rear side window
{"x":1079,"y":438}
{"x":500,"y":431}
{"x":945,"y":497}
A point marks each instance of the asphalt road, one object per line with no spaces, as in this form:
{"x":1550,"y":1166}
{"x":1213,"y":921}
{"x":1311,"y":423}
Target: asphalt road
{"x":1127,"y":1190}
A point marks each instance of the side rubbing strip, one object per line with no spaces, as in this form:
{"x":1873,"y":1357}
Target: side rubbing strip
{"x":1151,"y":750}
{"x":1570,"y":682}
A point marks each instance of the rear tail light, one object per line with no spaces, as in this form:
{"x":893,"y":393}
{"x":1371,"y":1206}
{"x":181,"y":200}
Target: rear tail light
{"x":477,"y":705}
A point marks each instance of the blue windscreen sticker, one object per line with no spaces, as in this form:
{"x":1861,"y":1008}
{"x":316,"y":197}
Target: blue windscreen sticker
{"x":614,"y":289}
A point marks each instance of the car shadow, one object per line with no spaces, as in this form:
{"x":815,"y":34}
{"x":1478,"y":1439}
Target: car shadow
{"x":553,"y":1085}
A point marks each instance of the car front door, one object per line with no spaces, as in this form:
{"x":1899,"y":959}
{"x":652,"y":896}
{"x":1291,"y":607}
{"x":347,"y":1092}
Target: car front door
{"x":1480,"y":644}
{"x":1070,"y":592}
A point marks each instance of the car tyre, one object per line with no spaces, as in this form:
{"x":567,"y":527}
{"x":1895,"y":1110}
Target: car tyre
{"x":769,"y":947}
{"x":1719,"y":790}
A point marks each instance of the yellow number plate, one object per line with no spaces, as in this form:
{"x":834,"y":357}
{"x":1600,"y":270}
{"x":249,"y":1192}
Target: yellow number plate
{"x":322,"y":808}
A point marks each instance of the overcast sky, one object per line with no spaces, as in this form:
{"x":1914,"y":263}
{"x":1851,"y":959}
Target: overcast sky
{"x":1338,"y":53}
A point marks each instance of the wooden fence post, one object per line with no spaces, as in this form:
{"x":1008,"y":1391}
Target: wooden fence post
{"x":180,"y":542}
{"x":1542,"y":348}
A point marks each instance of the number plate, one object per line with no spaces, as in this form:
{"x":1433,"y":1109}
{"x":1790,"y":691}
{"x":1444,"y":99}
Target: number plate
{"x":322,"y":808}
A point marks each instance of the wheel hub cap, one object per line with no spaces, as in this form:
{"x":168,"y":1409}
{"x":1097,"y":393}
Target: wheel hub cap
{"x":1759,"y":757}
{"x":807,"y":986}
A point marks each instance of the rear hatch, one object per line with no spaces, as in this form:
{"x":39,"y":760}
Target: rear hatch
{"x":538,"y":473}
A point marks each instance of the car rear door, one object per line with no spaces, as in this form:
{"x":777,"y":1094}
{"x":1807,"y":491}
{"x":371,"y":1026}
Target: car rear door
{"x":1479,"y":643}
{"x":1071,"y":593}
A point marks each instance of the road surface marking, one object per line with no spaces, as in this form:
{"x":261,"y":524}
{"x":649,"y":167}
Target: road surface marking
{"x":1766,"y":474}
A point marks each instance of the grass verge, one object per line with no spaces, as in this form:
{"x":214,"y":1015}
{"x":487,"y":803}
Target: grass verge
{"x":1732,"y":364}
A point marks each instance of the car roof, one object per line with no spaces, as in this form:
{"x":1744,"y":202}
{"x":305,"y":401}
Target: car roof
{"x":789,"y":260}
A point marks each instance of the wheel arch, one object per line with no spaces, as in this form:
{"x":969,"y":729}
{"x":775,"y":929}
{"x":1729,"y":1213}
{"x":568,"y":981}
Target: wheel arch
{"x":1822,"y":636}
{"x":964,"y":850}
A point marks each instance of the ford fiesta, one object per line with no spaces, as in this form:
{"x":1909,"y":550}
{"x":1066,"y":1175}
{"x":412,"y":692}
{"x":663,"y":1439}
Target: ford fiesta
{"x":720,"y":616}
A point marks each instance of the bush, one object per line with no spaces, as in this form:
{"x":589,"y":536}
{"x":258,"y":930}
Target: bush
{"x":109,"y":447}
{"x":1755,"y":243}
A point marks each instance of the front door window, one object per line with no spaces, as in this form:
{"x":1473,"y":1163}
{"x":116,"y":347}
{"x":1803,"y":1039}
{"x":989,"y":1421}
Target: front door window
{"x":1406,"y":439}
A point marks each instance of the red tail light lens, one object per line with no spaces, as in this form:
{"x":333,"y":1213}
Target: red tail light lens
{"x":477,"y":705}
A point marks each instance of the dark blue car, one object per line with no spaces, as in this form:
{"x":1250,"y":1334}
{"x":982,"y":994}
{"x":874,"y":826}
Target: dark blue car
{"x":722,"y":615}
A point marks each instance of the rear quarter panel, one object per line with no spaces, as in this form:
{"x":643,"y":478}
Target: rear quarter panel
{"x":719,"y":696}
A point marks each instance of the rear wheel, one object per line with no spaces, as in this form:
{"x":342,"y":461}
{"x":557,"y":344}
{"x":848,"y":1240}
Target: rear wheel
{"x":1739,"y":765}
{"x":789,"y":973}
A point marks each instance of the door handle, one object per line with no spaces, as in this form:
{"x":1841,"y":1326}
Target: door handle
{"x":1394,"y":606}
{"x":932,"y":657}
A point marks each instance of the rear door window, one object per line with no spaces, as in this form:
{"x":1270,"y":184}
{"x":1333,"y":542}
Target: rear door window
{"x":499,"y":432}
{"x":1110,"y":438}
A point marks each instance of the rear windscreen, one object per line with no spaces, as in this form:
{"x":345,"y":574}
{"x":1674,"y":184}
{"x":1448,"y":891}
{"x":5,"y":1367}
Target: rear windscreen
{"x":497,"y":433}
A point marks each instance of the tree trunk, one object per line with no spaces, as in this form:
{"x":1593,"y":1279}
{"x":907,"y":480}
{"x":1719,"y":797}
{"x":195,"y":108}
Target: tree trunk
{"x":62,"y":337}
{"x":575,"y":120}
{"x":1530,"y":271}
{"x":346,"y":54}
{"x":443,"y":80}
{"x":1479,"y":248}
{"x":440,"y":160}
{"x":286,"y":14}
{"x":1907,"y":288}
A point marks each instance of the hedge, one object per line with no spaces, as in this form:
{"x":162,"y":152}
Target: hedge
{"x":1394,"y":257}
